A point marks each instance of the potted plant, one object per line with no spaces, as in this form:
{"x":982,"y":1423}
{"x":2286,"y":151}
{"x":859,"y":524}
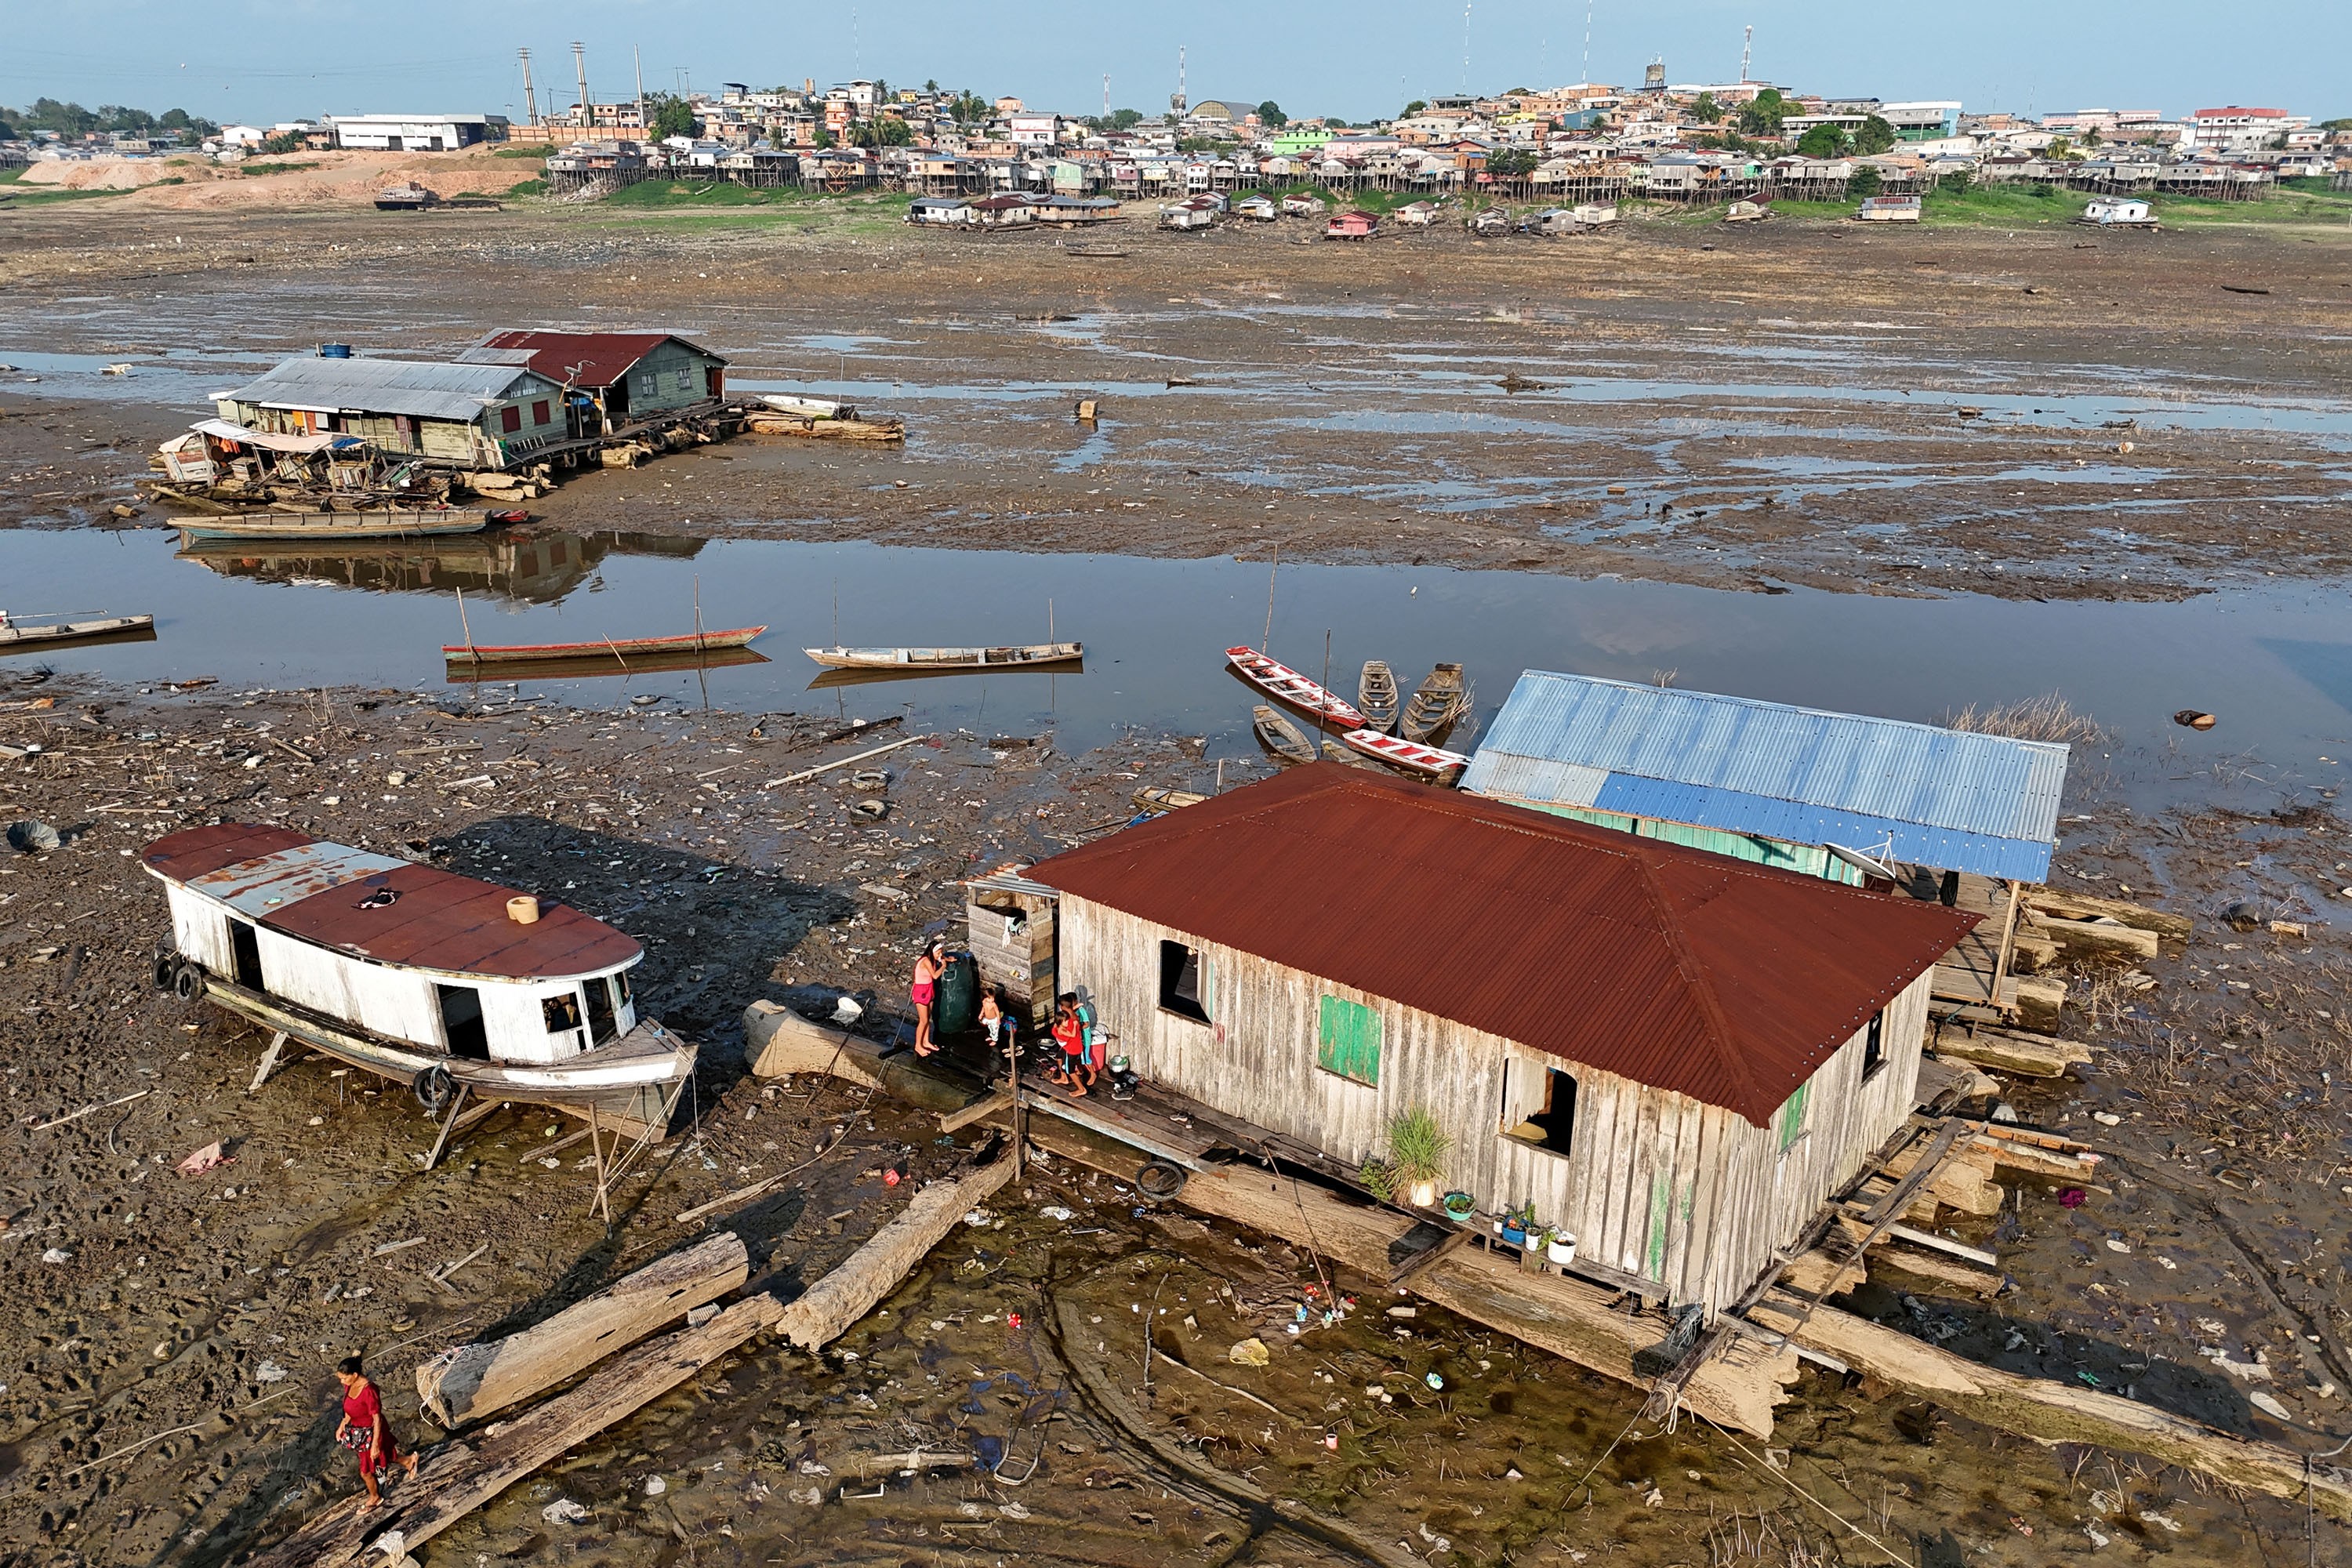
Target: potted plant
{"x":1418,"y":1144}
{"x":1561,"y":1249}
{"x":1460,"y":1207}
{"x":1516,"y":1222}
{"x":1377,"y":1179}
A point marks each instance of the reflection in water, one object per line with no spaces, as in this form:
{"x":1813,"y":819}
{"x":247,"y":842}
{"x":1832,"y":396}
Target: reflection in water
{"x":528,"y":567}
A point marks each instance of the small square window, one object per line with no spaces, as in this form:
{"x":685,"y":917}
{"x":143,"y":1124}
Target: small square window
{"x":1184,"y":982}
{"x":539,"y":412}
{"x":509,"y":419}
{"x":562,"y":1013}
{"x":1792,"y":1120}
{"x":1873,"y":1046}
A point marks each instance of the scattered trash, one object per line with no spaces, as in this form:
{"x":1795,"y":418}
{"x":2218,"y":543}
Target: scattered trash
{"x":32,"y":836}
{"x":2288,"y":928}
{"x":644,"y":700}
{"x":563,"y":1510}
{"x":1434,"y":1381}
{"x":978,"y":1217}
{"x":873,"y":805}
{"x":1011,"y":1511}
{"x":869,"y":780}
{"x":697,"y":1315}
{"x":1056,"y":1212}
{"x":2074,"y":1197}
{"x":1251,"y":1352}
{"x":656,"y":1486}
{"x":268,"y":1372}
{"x":2267,"y":1405}
{"x":2106,"y":1118}
{"x":2242,"y":916}
{"x":57,"y":1255}
{"x":845,"y":1010}
{"x":207,"y":1158}
{"x":2190,"y":719}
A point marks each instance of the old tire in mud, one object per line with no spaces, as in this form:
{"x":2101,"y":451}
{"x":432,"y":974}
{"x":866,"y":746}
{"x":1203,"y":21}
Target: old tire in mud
{"x":1161,"y":1179}
{"x":166,"y":969}
{"x":434,"y":1088}
{"x":188,"y":983}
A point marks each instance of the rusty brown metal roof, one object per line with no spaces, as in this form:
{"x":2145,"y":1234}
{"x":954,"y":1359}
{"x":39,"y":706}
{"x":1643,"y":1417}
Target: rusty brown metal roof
{"x":586,"y":359}
{"x":331,"y":895}
{"x":1688,"y":971}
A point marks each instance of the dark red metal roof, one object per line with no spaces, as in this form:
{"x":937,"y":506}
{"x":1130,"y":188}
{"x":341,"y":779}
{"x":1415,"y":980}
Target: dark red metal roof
{"x":443,"y":920}
{"x":586,"y":359}
{"x":318,"y":892}
{"x":1684,"y":970}
{"x":197,"y":851}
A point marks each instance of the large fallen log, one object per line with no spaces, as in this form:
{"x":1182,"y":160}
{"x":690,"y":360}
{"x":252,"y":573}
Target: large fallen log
{"x":467,"y":1382}
{"x":2007,"y":1050}
{"x":2085,"y":906}
{"x":874,"y":1270}
{"x":2052,"y":1412}
{"x":456,"y":1480}
{"x":2105,"y":939}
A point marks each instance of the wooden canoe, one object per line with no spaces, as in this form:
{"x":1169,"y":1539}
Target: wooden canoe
{"x":1410,"y":756}
{"x":1162,"y":799}
{"x":1280,"y":737}
{"x":1333,"y":751}
{"x":620,"y":647}
{"x":1376,"y":695}
{"x":589,"y":666}
{"x":14,"y":638}
{"x":949,"y":660}
{"x":1292,"y":689}
{"x":377,"y":523}
{"x":1438,"y":703}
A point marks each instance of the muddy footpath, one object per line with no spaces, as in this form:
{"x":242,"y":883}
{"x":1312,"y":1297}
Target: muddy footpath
{"x":2036,"y":414}
{"x":166,"y":1355}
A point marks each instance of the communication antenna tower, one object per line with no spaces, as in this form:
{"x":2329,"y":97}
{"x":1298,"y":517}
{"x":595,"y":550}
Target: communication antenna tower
{"x":580,"y":63}
{"x":1745,"y":44}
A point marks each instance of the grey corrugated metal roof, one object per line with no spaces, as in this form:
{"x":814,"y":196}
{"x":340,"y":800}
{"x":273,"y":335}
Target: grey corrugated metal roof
{"x":1947,"y":797}
{"x":422,"y":389}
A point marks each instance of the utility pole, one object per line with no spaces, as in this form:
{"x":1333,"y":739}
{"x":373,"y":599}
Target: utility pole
{"x":530,"y":100}
{"x":580,"y":63}
{"x":1586,"y":69}
{"x":1466,"y":48}
{"x":1746,"y":44}
{"x":638,"y":58}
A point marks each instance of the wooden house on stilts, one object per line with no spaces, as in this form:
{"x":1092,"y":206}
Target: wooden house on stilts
{"x":1672,"y":1054}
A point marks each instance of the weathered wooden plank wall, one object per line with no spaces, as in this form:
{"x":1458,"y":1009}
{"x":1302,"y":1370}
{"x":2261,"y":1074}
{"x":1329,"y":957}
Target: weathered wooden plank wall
{"x":1655,"y":1183}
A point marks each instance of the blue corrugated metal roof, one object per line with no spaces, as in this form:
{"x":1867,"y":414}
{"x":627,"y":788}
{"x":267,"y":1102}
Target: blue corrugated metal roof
{"x":1947,"y":798}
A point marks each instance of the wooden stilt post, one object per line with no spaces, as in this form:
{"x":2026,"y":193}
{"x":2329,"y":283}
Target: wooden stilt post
{"x":447,"y":1124}
{"x":604,"y":1183}
{"x":268,"y":1063}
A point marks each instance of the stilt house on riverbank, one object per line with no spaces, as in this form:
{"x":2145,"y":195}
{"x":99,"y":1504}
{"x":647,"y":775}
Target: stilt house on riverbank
{"x":1672,"y":1054}
{"x":467,"y":416}
{"x":611,"y":378}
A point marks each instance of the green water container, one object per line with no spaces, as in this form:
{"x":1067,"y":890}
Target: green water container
{"x":957,"y":1010}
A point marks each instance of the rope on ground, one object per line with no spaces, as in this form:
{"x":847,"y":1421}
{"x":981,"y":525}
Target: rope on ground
{"x":1790,"y":1481}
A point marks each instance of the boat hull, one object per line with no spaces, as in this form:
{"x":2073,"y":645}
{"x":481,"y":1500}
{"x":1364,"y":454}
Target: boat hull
{"x":1407,"y":756}
{"x":589,"y":666}
{"x":110,"y":629}
{"x":1280,"y":737}
{"x":608,"y":647}
{"x":340,"y":524}
{"x":948,"y":660}
{"x":1293,"y":691}
{"x":625,"y":1079}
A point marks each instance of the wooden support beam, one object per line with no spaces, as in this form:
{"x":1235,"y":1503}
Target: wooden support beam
{"x":2111,"y":941}
{"x":874,"y":1270}
{"x":2052,"y":1412}
{"x":978,"y":1111}
{"x":468,"y":1381}
{"x":2009,"y":1051}
{"x":268,"y":1062}
{"x":2085,"y":906}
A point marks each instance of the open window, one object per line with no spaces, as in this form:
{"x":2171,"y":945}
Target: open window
{"x":562,"y":1012}
{"x":603,"y":1020}
{"x":1184,"y":982}
{"x":1873,"y":1046}
{"x":245,"y":951}
{"x":1551,"y":1125}
{"x":461,"y":1022}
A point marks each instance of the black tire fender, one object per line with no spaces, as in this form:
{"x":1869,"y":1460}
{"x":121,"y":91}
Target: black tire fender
{"x":1161,"y":1179}
{"x":166,"y":969}
{"x":434,"y":1088}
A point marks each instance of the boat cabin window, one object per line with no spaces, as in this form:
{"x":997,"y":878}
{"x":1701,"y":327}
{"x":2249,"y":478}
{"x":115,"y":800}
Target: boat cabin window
{"x":1552,"y":1125}
{"x":621,"y":992}
{"x":1183,"y":982}
{"x":562,"y":1012}
{"x":1873,"y":1046}
{"x":604,"y":1022}
{"x":461,"y":1022}
{"x":245,"y":948}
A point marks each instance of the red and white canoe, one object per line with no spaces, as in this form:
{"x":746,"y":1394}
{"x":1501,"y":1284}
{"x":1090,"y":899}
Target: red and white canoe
{"x":688,"y":642}
{"x":1292,"y":689}
{"x":1429,"y":761}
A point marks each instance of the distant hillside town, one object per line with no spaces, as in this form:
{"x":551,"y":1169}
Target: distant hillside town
{"x":1589,"y":142}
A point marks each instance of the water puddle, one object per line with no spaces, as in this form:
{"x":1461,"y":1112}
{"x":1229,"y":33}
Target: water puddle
{"x":377,"y":616}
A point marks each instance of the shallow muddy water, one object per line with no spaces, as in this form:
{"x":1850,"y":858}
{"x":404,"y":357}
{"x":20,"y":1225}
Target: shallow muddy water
{"x":2275,"y":663}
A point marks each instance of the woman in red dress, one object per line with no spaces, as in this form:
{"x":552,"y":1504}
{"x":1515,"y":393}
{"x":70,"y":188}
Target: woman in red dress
{"x":363,"y":1429}
{"x":924,"y":991}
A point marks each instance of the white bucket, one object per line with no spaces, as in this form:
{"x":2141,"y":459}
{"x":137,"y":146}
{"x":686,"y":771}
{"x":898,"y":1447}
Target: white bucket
{"x":1561,"y":1250}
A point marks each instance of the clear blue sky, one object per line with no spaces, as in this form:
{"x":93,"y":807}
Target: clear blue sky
{"x":247,"y":59}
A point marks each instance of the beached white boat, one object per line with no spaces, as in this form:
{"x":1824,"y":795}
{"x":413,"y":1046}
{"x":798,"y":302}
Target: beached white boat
{"x":372,"y":523}
{"x":12,"y":637}
{"x":452,"y":987}
{"x":948,"y":660}
{"x":1411,"y":756}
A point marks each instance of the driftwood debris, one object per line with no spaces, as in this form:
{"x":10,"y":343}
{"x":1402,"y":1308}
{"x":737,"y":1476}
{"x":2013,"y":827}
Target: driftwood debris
{"x":2009,"y":1051}
{"x":2085,"y":906}
{"x":470,"y":1381}
{"x":2054,"y":1412}
{"x":456,"y":1480}
{"x":2100,"y":938}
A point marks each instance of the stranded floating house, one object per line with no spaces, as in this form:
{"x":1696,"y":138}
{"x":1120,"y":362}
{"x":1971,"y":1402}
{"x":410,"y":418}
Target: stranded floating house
{"x":1671,"y":1055}
{"x":452,"y":986}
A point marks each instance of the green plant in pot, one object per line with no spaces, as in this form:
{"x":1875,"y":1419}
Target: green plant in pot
{"x":1460,"y":1207}
{"x":1378,"y":1179}
{"x":1418,"y":1144}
